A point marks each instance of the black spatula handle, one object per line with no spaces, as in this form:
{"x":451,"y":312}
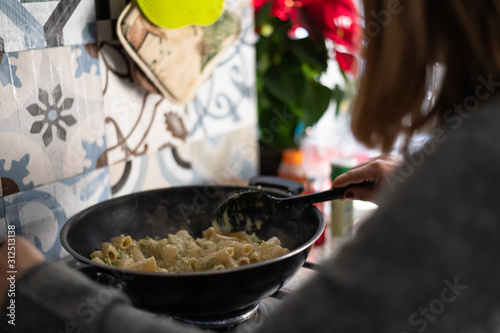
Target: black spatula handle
{"x":332,"y":194}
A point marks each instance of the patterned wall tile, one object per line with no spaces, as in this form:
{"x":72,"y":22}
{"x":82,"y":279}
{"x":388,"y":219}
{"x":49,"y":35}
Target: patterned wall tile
{"x":228,"y":100}
{"x":138,"y":122}
{"x":230,"y":158}
{"x":51,"y":120}
{"x":168,"y":167}
{"x":37,"y":24}
{"x":128,"y":176}
{"x":38,"y":214}
{"x":3,"y":223}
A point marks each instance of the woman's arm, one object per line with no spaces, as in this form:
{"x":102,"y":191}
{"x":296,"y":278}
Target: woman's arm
{"x":51,"y":297}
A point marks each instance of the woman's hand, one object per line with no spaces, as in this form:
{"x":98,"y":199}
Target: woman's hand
{"x":374,"y":170}
{"x":23,"y":256}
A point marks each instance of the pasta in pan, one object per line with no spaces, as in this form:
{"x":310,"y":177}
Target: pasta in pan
{"x":180,"y":252}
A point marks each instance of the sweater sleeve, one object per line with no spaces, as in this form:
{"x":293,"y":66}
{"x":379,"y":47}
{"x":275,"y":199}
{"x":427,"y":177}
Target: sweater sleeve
{"x":52,"y":297}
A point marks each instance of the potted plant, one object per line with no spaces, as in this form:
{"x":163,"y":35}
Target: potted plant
{"x":297,"y":39}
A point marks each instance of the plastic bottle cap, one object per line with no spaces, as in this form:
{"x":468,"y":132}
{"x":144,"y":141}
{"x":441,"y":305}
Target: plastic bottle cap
{"x":340,"y":166}
{"x":292,"y":156}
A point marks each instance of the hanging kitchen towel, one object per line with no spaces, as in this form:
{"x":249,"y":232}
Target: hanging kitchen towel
{"x":176,"y":61}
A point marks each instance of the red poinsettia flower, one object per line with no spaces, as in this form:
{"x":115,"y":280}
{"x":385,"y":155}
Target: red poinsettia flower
{"x":337,"y":20}
{"x":347,"y":62}
{"x":282,"y":9}
{"x":257,"y":4}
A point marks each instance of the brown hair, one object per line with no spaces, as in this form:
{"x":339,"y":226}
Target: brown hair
{"x":402,"y":39}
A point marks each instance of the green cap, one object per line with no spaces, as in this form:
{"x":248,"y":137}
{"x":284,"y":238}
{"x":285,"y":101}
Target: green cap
{"x":340,"y":166}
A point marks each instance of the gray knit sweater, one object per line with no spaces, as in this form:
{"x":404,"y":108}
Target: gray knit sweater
{"x":427,"y":260}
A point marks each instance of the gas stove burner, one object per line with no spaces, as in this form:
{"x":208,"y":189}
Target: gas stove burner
{"x":228,"y":320}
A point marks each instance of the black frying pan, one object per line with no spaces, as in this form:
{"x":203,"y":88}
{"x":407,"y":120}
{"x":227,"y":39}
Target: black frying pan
{"x":198,"y":294}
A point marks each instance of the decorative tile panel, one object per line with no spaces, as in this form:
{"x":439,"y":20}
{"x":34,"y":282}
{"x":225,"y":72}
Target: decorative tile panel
{"x":228,"y":100}
{"x":37,"y":24}
{"x":168,"y":167}
{"x":38,"y":214}
{"x":51,"y":119}
{"x":230,"y":158}
{"x":138,"y":122}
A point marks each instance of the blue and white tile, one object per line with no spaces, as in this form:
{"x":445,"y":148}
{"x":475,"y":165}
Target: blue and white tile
{"x":227,"y":101}
{"x":38,"y":214}
{"x":174,"y":165}
{"x":168,"y":167}
{"x":230,"y":158}
{"x":128,"y":176}
{"x":28,"y":25}
{"x":52,"y":120}
{"x":138,"y":122}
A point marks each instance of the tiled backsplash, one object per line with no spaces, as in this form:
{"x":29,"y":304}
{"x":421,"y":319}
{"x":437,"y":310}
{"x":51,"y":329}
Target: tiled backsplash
{"x":51,"y":124}
{"x":30,"y":25}
{"x":76,"y":129}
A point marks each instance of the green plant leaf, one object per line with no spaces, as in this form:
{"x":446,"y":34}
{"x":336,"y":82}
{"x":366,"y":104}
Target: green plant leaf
{"x":277,"y":123}
{"x":279,"y":135}
{"x":337,"y":95}
{"x":315,"y":101}
{"x":312,"y":53}
{"x":263,"y":15}
{"x":286,"y":81}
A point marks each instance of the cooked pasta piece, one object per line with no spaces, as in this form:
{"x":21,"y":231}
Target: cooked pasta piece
{"x":147,"y":265}
{"x":180,"y":252}
{"x":97,"y":254}
{"x":98,"y":260}
{"x":273,"y":241}
{"x":169,"y":254}
{"x":109,"y":251}
{"x":122,"y":241}
{"x":242,"y":261}
{"x":223,"y":255}
{"x":230,"y":262}
{"x":243,"y":249}
{"x":135,"y":252}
